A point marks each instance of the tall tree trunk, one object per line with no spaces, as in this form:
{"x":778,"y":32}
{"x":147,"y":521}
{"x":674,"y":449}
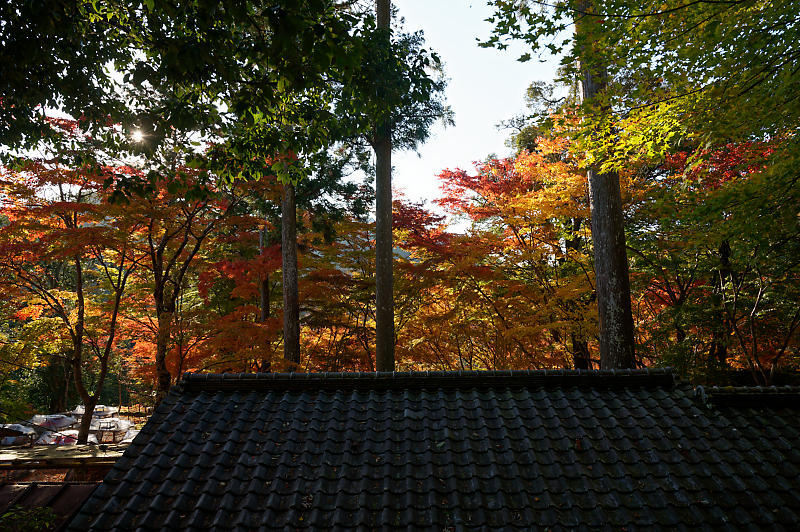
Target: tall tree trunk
{"x":163,"y":376}
{"x":291,"y":303}
{"x":608,"y":236}
{"x":384,"y":282}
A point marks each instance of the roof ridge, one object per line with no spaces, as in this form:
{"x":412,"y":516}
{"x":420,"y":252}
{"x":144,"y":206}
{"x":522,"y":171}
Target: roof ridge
{"x":753,"y":396}
{"x":753,"y":389}
{"x":656,"y":377}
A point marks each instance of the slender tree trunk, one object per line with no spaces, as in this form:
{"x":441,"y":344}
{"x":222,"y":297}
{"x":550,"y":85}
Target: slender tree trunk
{"x":608,"y":236}
{"x":67,"y":379}
{"x":262,"y":318}
{"x":581,"y":357}
{"x":384,"y":282}
{"x":718,"y":350}
{"x":580,"y":352}
{"x":264,"y":299}
{"x":263,"y":285}
{"x":89,"y":401}
{"x":264,"y":303}
{"x":291,"y":303}
{"x":86,"y":399}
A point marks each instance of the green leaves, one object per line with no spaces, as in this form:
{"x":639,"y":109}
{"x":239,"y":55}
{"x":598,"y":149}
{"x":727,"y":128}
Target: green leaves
{"x":721,"y":70}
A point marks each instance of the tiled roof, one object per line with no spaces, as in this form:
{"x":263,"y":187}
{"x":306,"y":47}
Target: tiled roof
{"x":63,"y":498}
{"x":457,"y":451}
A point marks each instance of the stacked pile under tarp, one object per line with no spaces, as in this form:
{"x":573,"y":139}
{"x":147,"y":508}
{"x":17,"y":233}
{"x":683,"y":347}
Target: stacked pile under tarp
{"x":62,"y":429}
{"x":16,"y":434}
{"x":106,"y":426}
{"x":39,"y":430}
{"x":56,"y":429}
{"x":100,"y":412}
{"x":110,"y":430}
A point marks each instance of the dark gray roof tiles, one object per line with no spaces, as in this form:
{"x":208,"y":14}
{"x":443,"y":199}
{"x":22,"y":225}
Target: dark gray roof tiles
{"x":458,"y":451}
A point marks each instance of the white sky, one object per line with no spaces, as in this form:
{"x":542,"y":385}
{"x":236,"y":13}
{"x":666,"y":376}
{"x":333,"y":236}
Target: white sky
{"x":486,"y":86}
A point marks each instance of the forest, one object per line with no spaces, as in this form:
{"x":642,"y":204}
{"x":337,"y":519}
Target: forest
{"x":191,"y":187}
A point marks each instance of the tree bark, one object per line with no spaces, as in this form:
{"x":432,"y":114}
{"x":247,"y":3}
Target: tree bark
{"x":608,"y":235}
{"x":263,"y":285}
{"x":611,"y":272}
{"x":718,"y":350}
{"x":86,"y":420}
{"x":291,"y":303}
{"x":263,"y":293}
{"x":163,"y":376}
{"x":263,"y":304}
{"x":384,"y":282}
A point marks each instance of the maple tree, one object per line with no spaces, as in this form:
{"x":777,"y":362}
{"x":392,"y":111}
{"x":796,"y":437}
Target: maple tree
{"x":718,"y":287}
{"x":65,"y":270}
{"x":532,"y":273}
{"x":339,"y":301}
{"x":174,"y":229}
{"x":712,"y":289}
{"x":278,"y":99}
{"x":587,"y":57}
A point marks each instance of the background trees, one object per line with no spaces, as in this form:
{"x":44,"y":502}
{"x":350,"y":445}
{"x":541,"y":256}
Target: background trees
{"x":659,"y":77}
{"x":161,"y":256}
{"x":714,"y":272}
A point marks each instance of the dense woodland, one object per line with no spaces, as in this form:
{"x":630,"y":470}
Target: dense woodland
{"x":145,"y":226}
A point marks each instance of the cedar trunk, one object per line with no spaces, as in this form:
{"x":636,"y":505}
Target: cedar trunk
{"x":611,"y":272}
{"x":163,"y":376}
{"x":608,"y":236}
{"x":384,"y":282}
{"x":291,"y":303}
